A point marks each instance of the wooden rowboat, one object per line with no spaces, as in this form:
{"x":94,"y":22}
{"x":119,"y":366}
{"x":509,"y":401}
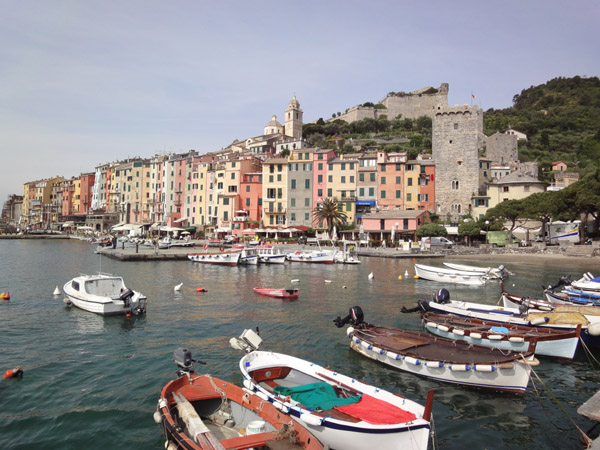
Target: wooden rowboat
{"x":279,"y":293}
{"x":201,"y":412}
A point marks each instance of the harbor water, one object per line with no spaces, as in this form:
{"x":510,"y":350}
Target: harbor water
{"x":93,"y":382}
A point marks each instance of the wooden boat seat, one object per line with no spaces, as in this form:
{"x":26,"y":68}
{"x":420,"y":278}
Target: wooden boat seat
{"x":395,"y":343}
{"x":249,"y":440}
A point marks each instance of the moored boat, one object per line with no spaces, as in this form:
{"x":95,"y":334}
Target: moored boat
{"x":555,"y":343}
{"x":104,"y":294}
{"x":202,"y":412}
{"x":443,"y":275}
{"x":270,"y":254}
{"x":249,"y":255}
{"x":279,"y":293}
{"x":342,"y":412}
{"x":494,"y":273}
{"x":440,"y":359}
{"x":312,"y":256}
{"x":224,"y":258}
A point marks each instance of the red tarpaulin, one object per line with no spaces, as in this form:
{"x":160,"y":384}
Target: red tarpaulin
{"x":376,"y":412}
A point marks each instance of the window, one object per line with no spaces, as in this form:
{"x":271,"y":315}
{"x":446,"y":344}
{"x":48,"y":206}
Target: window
{"x":233,"y":175}
{"x":361,"y":192}
{"x":454,"y":185}
{"x":456,"y":126}
{"x":319,"y":179}
{"x":293,"y":215}
{"x":306,"y":216}
{"x":348,"y":206}
{"x":372,"y":177}
{"x":292,"y":202}
{"x":405,"y":224}
{"x":351,"y":166}
{"x":247,"y":202}
{"x":299,"y":156}
{"x":320,"y":156}
{"x":410,"y":181}
{"x":343,"y":166}
{"x":225,"y":201}
{"x":225,"y":216}
{"x":293,"y":184}
{"x":383,"y":167}
{"x":307,"y":202}
{"x":382,"y":180}
{"x":329,"y":192}
{"x":330,"y":178}
{"x":505,"y":189}
{"x":409,"y":197}
{"x":398,"y":167}
{"x":320,"y":192}
{"x":307,"y":156}
{"x":398,"y":180}
{"x":343,"y":179}
{"x":247,"y":188}
{"x":307,"y":184}
{"x":278,"y":177}
{"x":351,"y":178}
{"x":382,"y":194}
{"x":271,"y":178}
{"x":371,"y":192}
{"x":330,"y":166}
{"x":361,"y":177}
{"x":320,"y":165}
{"x":398,"y":194}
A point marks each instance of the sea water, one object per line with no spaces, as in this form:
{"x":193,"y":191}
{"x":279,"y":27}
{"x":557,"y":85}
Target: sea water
{"x":93,"y":382}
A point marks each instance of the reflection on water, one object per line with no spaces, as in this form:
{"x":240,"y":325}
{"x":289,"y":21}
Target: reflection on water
{"x":97,"y":379}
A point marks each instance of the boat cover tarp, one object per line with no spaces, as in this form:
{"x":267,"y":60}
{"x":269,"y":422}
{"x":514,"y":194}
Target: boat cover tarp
{"x":567,"y":318}
{"x":377,"y":412}
{"x":316,"y":396}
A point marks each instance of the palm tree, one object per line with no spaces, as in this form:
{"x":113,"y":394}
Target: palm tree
{"x":329,"y":213}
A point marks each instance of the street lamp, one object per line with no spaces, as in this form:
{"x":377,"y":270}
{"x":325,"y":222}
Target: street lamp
{"x":487,"y":229}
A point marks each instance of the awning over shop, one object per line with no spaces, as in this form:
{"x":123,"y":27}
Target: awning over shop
{"x":127,"y":227}
{"x":223,"y":230}
{"x":183,"y":219}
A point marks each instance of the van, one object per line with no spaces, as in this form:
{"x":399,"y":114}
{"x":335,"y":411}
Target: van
{"x":437,"y":242}
{"x":501,"y":238}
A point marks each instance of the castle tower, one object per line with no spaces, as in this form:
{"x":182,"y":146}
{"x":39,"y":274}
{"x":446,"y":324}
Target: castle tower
{"x":457,"y":137}
{"x":293,"y":120}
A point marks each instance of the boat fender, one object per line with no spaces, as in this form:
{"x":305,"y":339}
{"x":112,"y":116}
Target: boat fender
{"x":162,"y":403}
{"x":349,"y":331}
{"x":475,"y":335}
{"x":357,"y":341}
{"x":539,"y":321}
{"x":411,"y":360}
{"x":458,"y":332}
{"x":281,"y":407}
{"x":14,"y":373}
{"x":432,"y":324}
{"x":310,"y":419}
{"x":392,"y":355}
{"x":366,"y":345}
{"x":530,"y":362}
{"x":516,"y":339}
{"x":460,"y":367}
{"x":495,"y":337}
{"x":508,"y":365}
{"x":443,"y":328}
{"x":484,"y":368}
{"x":434,"y":364}
{"x":157,"y":416}
{"x":262,"y":395}
{"x":594,"y":329}
{"x":67,"y":301}
{"x":377,"y":350}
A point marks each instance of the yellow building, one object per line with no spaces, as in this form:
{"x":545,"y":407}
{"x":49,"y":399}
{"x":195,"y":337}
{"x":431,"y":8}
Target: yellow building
{"x":342,"y":177}
{"x":274,"y":192}
{"x":515,"y":186}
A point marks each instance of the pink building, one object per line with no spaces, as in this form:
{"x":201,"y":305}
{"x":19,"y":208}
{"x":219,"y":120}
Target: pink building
{"x":321,"y":159}
{"x":404,"y":224}
{"x":85,"y":197}
{"x":390,"y":168}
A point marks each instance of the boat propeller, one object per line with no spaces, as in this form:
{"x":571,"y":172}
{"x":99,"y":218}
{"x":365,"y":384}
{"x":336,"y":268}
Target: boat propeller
{"x":354,"y":317}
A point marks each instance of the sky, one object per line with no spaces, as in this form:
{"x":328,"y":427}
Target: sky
{"x":84,"y":83}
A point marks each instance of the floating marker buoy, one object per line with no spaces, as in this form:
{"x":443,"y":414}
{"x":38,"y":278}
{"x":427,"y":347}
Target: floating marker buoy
{"x":327,"y":281}
{"x":200,"y":289}
{"x":399,"y":277}
{"x":343,"y":287}
{"x":416,"y":277}
{"x":371,"y":276}
{"x":56,"y":291}
{"x":178,"y":287}
{"x":406,"y":273}
{"x":5,"y":295}
{"x":14,"y":373}
{"x":295,"y":280}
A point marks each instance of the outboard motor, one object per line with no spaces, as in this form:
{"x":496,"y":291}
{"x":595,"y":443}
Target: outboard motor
{"x":442,"y":296}
{"x":354,"y":317}
{"x":184,"y":361}
{"x":563,"y":281}
{"x":126,"y":296}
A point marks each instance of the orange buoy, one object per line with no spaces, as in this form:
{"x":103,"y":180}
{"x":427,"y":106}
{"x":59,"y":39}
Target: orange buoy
{"x":5,"y":295}
{"x":200,"y":289}
{"x":14,"y":373}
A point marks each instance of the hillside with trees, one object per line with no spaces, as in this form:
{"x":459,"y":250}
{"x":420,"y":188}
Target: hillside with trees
{"x":561,"y":119}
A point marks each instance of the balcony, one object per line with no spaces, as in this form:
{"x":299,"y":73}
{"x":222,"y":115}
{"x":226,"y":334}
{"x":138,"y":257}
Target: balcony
{"x":240,"y":218}
{"x":275,"y":211}
{"x":348,"y":198}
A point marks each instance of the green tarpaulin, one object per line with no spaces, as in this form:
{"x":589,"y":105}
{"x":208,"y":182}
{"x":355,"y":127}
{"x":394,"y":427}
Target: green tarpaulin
{"x":316,"y":396}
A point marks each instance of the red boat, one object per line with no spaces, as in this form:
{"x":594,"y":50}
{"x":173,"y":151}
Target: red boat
{"x":200,"y":412}
{"x":279,"y":293}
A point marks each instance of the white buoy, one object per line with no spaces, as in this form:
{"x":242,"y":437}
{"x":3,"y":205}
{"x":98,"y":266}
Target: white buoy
{"x":295,"y":280}
{"x":343,"y":287}
{"x":56,"y":291}
{"x":371,"y":276}
{"x":327,"y":281}
{"x":406,"y":273}
{"x":178,"y":287}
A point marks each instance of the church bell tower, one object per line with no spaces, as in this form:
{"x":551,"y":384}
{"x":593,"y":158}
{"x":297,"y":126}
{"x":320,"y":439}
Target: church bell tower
{"x":293,"y":120}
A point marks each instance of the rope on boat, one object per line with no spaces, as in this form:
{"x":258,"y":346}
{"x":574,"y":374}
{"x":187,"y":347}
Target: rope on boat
{"x":588,"y":353}
{"x":584,"y":436}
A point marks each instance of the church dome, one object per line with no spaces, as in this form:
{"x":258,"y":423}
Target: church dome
{"x":273,"y":122}
{"x":294,"y":103}
{"x":273,"y":126}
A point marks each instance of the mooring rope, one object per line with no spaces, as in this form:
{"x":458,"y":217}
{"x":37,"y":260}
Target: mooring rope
{"x":586,"y":439}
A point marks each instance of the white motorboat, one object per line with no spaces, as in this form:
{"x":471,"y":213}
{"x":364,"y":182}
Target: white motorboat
{"x":444,"y":275}
{"x":270,"y":254}
{"x":312,"y":256}
{"x":348,"y":255}
{"x":223,"y":258}
{"x":104,"y":294}
{"x":349,"y":414}
{"x":494,"y":273}
{"x":249,"y":255}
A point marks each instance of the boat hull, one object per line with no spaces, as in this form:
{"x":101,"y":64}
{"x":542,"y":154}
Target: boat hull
{"x":218,"y":258}
{"x":484,"y":371}
{"x":332,"y":430}
{"x":312,"y":257}
{"x":278,"y":293}
{"x":442,"y":275}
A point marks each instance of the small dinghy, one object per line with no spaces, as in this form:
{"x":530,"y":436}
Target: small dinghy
{"x":279,"y":293}
{"x":343,"y":413}
{"x":555,"y":343}
{"x":438,"y":358}
{"x":201,"y":412}
{"x":445,"y":275}
{"x":493,"y":273}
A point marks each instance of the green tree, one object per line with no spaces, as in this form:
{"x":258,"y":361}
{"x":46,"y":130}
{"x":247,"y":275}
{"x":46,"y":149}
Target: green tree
{"x":329,"y":214}
{"x":284,"y":153}
{"x":432,"y":230}
{"x":508,"y":210}
{"x":470,"y":229}
{"x":542,"y":206}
